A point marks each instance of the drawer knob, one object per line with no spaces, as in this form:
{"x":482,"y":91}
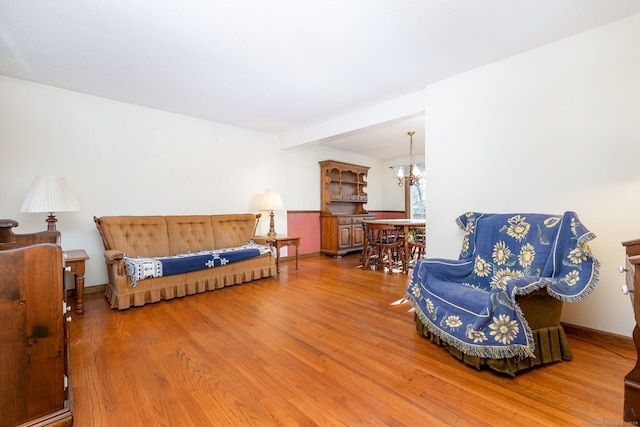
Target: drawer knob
{"x":626,"y":290}
{"x":621,"y":269}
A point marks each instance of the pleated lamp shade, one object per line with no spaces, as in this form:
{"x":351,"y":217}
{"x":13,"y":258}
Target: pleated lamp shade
{"x":50,"y":194}
{"x":271,"y":200}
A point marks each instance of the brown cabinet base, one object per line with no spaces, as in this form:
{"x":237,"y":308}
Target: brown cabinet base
{"x":62,"y":418}
{"x":632,"y":380}
{"x":342,"y":234}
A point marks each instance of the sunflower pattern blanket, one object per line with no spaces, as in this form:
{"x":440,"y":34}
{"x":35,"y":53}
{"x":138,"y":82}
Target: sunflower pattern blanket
{"x":470,"y":303}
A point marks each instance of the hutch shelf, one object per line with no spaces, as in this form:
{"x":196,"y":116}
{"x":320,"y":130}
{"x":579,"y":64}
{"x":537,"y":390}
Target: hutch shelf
{"x":343,"y":196}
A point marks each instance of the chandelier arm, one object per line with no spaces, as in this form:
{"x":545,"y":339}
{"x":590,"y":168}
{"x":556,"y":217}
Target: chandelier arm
{"x":413,"y":178}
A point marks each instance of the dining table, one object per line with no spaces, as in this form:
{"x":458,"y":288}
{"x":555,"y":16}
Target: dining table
{"x":405,"y":224}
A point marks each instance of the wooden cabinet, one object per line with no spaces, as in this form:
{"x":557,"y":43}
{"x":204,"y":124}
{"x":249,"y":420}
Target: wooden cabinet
{"x":34,"y":382}
{"x":342,"y":233}
{"x":632,"y":380}
{"x":343,"y":196}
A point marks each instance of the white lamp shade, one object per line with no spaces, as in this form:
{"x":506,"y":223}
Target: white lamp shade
{"x":49,"y":194}
{"x":271,"y":201}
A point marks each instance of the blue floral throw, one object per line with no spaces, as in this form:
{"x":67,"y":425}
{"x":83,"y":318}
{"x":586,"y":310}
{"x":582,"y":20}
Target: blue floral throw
{"x":470,"y":303}
{"x":146,"y":268}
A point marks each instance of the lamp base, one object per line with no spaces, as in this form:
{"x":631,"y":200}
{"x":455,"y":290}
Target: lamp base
{"x":272,"y":229}
{"x":51,"y":222}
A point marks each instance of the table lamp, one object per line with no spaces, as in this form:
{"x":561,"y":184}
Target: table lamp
{"x":50,"y":194}
{"x":271,"y":201}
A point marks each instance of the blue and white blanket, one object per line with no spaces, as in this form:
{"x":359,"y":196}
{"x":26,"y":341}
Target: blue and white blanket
{"x":470,"y":303}
{"x":146,"y":268}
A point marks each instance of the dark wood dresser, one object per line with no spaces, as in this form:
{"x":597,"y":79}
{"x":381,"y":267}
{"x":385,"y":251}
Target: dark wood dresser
{"x":632,"y":380}
{"x":34,"y":381}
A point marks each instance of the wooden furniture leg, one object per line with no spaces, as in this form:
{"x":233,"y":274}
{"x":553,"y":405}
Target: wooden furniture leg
{"x":74,"y":264}
{"x":280,"y":241}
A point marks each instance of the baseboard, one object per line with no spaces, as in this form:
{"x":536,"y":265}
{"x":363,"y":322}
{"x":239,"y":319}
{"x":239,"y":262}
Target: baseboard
{"x":599,"y":336}
{"x":293,"y":257}
{"x":95,"y":289}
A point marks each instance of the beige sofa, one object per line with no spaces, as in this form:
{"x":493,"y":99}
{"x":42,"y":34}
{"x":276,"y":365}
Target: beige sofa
{"x":158,"y":236}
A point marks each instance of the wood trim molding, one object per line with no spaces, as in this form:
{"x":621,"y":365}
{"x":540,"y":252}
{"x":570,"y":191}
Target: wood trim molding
{"x":94,"y":289}
{"x":605,"y":338}
{"x":293,"y":257}
{"x":316,"y":211}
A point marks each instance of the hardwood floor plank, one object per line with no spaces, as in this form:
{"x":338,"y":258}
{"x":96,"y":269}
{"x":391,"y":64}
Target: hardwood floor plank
{"x":318,"y":346}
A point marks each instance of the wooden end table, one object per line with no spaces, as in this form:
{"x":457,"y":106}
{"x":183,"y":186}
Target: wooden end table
{"x":74,"y":264}
{"x":282,"y":241}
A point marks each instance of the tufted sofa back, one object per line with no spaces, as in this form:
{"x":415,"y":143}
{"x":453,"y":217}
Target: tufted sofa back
{"x":153,"y":236}
{"x":189,"y":233}
{"x":144,"y":236}
{"x":233,"y":229}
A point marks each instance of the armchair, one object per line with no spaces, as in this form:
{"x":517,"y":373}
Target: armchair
{"x":499,"y":304}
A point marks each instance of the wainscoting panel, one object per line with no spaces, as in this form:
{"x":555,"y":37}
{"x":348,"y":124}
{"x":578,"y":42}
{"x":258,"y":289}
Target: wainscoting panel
{"x":306,"y":224}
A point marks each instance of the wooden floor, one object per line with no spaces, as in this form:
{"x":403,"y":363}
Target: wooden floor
{"x":319,"y":346}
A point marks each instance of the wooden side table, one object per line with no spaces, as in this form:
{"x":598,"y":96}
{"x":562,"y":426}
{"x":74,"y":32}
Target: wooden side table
{"x":282,"y":241}
{"x":74,"y":264}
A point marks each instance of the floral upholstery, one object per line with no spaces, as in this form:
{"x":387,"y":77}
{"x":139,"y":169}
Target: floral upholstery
{"x":471,"y":303}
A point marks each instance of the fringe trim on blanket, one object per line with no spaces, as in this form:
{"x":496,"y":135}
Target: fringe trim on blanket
{"x":551,"y":346}
{"x":484,"y":351}
{"x":459,"y":223}
{"x":586,"y":237}
{"x":530,"y":288}
{"x":589,"y":287}
{"x":546,"y":283}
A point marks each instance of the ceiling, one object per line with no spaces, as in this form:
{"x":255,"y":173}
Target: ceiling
{"x":279,"y":65}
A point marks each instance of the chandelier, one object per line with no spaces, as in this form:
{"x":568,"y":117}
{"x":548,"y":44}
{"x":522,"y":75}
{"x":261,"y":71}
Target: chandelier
{"x":413,"y":178}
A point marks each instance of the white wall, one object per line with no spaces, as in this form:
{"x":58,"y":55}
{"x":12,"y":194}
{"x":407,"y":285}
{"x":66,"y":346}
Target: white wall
{"x":123,"y":159}
{"x":554,"y":129}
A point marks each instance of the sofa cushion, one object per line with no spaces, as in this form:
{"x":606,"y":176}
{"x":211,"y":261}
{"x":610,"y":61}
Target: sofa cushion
{"x":136,"y":236}
{"x":233,"y":230}
{"x":189,"y":233}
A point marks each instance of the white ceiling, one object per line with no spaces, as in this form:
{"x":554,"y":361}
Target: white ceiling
{"x":279,"y":65}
